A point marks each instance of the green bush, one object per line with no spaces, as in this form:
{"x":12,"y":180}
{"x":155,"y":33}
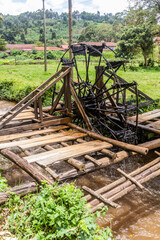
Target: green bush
{"x":34,"y":51}
{"x":3,"y":55}
{"x":3,"y":183}
{"x":50,"y":55}
{"x":16,"y":52}
{"x":58,"y":213}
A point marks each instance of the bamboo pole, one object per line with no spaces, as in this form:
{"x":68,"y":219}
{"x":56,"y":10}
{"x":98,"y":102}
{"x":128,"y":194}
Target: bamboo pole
{"x":70,"y":27}
{"x":100,"y":197}
{"x":127,"y":186}
{"x":123,"y":179}
{"x":123,"y":145}
{"x":45,"y":48}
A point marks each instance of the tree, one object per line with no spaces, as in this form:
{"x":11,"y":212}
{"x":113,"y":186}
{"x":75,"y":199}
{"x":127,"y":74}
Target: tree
{"x":88,"y":34}
{"x":22,"y":37}
{"x":53,"y":35}
{"x":143,"y":11}
{"x":102,"y":32}
{"x":2,"y":44}
{"x":1,"y":18}
{"x":136,"y":39}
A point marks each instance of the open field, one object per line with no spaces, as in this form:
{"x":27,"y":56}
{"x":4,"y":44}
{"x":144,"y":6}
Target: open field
{"x":17,"y":81}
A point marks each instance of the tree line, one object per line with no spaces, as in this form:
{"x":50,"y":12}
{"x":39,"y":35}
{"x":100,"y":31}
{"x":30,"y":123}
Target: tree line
{"x":133,"y":30}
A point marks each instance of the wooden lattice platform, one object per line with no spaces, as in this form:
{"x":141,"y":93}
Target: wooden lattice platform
{"x":114,"y":191}
{"x":60,"y":151}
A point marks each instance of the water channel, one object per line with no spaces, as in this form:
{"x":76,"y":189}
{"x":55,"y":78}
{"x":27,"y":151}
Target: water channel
{"x":139,"y":216}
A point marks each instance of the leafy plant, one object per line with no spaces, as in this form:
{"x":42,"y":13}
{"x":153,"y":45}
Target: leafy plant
{"x":57,"y":212}
{"x":3,"y":183}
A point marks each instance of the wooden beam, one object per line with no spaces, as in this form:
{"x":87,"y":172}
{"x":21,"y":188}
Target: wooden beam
{"x":133,"y":180}
{"x":100,"y":197}
{"x":123,"y":145}
{"x":32,"y":126}
{"x":23,"y":164}
{"x":80,"y":107}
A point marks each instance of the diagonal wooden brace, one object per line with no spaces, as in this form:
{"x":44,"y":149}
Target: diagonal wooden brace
{"x":100,"y":197}
{"x":133,"y":180}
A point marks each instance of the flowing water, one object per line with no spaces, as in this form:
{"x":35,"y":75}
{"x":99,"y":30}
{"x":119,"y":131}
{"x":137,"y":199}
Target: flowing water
{"x":139,"y":216}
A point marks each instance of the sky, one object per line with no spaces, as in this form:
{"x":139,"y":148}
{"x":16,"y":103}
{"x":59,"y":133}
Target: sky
{"x":104,"y":6}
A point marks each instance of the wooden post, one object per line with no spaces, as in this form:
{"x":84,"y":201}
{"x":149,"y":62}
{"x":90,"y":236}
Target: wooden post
{"x":45,"y":49}
{"x":40,"y":109}
{"x":67,"y":93}
{"x":99,"y":79}
{"x":70,"y":26}
{"x":35,"y":109}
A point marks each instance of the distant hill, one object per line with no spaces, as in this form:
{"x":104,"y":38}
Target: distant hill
{"x":27,"y":28}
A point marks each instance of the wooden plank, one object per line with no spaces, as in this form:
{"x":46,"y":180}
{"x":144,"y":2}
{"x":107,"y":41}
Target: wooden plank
{"x":36,"y":139}
{"x":31,"y":133}
{"x":146,"y":116}
{"x":35,"y":126}
{"x":143,"y":114}
{"x":67,"y":152}
{"x":51,"y":140}
{"x":151,"y":116}
{"x":154,"y":125}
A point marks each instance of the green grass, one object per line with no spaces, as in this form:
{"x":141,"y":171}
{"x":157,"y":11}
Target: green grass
{"x":17,"y":81}
{"x":148,"y":80}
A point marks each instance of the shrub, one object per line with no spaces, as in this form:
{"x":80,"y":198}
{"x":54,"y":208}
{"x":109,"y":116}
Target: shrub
{"x":3,"y":55}
{"x":3,"y":183}
{"x":57,"y":212}
{"x":16,"y":52}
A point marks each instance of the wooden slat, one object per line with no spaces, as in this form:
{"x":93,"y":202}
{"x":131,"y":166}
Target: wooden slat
{"x":51,"y":140}
{"x":31,"y":133}
{"x":146,"y":116}
{"x":67,"y":152}
{"x":32,"y":126}
{"x":36,"y":140}
{"x":154,"y":125}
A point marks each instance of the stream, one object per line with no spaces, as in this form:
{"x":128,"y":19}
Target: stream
{"x":139,"y":216}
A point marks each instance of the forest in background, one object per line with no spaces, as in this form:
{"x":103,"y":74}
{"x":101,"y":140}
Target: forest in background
{"x":27,"y":27}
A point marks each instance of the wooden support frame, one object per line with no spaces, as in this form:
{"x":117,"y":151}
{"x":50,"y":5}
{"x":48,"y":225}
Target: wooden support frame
{"x":32,"y":97}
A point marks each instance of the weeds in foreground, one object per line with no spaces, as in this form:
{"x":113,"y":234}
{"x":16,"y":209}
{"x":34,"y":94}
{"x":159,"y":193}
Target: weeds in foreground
{"x":57,"y":212}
